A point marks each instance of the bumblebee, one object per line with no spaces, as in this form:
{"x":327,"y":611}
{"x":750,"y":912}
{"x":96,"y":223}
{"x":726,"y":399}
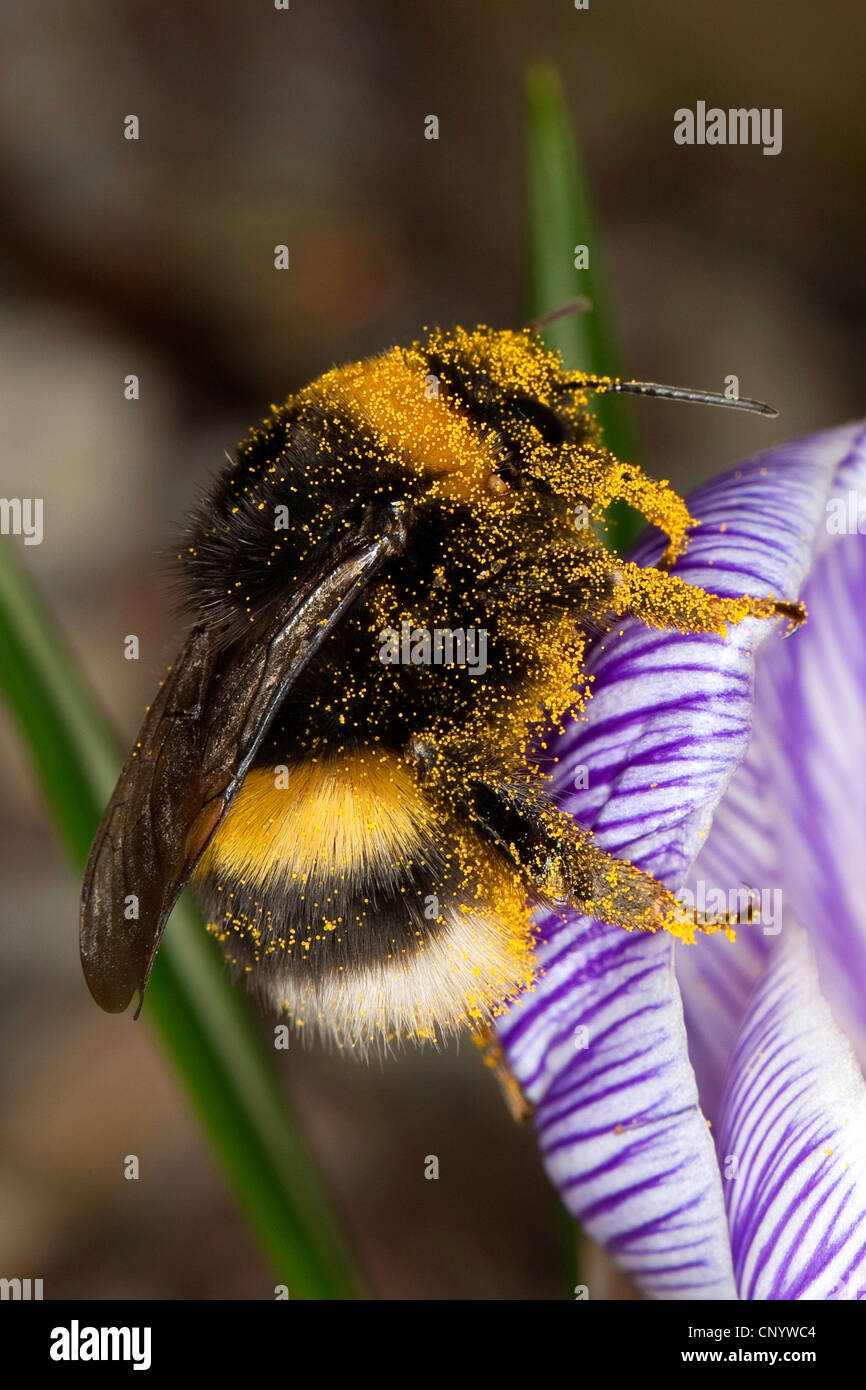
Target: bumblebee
{"x":362,"y":803}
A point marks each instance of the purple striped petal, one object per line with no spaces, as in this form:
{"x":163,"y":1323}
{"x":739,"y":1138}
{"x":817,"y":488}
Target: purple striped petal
{"x":619,"y":1124}
{"x":792,"y":818}
{"x":793,"y":1141}
{"x":813,"y":725}
{"x":600,"y":1050}
{"x":717,"y":975}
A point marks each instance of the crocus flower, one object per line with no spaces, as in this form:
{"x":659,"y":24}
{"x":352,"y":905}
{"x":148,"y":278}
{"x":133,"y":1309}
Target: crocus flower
{"x":702,"y":1109}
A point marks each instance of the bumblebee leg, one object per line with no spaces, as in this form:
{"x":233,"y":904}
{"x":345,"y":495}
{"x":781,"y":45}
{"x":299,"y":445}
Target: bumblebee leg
{"x":562,"y":865}
{"x":618,"y":892}
{"x":493,"y":1057}
{"x":664,"y":600}
{"x":654,"y":500}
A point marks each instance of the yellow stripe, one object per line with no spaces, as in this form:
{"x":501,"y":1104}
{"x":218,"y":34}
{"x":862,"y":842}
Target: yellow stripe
{"x":321,"y":818}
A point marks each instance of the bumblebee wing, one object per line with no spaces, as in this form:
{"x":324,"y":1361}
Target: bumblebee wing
{"x":194,"y":748}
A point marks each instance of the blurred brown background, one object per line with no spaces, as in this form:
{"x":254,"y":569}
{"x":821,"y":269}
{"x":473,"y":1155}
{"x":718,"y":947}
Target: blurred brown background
{"x":155,"y":257}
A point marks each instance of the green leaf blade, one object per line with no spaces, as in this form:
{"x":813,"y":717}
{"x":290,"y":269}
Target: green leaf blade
{"x":560,"y":218}
{"x":202,"y":1020}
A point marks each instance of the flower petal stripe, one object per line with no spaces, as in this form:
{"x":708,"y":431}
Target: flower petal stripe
{"x":793,"y":1136}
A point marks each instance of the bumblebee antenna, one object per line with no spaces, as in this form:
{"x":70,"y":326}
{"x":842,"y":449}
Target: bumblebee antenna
{"x":578,"y":305}
{"x":675,"y":393}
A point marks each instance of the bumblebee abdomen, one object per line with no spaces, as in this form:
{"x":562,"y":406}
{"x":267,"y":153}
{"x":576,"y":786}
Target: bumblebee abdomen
{"x":353,"y":903}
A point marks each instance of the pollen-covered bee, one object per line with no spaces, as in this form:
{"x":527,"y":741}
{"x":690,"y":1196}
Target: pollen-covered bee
{"x":392,"y":588}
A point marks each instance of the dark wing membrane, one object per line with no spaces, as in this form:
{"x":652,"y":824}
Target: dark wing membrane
{"x":197,"y":741}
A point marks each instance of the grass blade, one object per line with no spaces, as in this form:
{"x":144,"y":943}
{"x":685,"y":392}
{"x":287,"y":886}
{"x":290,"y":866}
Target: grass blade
{"x":560,"y":218}
{"x":203,"y":1021}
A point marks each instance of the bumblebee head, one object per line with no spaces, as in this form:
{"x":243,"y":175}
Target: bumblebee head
{"x":463,"y":409}
{"x":501,"y":378}
{"x":514,"y":389}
